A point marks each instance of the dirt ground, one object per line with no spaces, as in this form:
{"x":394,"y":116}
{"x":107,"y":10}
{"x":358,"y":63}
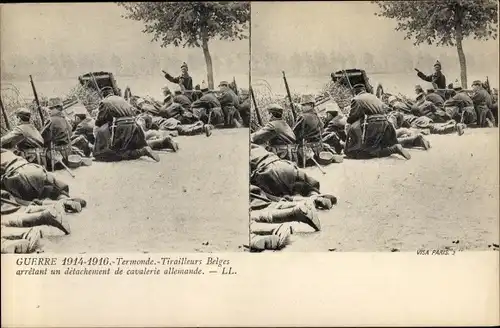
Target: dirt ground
{"x":442,"y":195}
{"x":195,"y":200}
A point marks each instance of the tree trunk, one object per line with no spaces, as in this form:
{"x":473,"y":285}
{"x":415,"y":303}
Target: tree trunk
{"x":461,"y":56}
{"x":208,"y":59}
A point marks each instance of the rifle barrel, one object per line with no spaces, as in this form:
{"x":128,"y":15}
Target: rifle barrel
{"x":259,"y":118}
{"x":294,"y":114}
{"x":37,"y":101}
{"x":6,"y":119}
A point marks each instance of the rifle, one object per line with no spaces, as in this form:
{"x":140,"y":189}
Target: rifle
{"x":259,"y":118}
{"x":488,"y":88}
{"x":7,"y":124}
{"x":235,"y":87}
{"x":294,"y":114}
{"x":37,"y":101}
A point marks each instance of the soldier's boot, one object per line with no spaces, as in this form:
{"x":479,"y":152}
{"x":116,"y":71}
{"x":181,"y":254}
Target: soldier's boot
{"x":17,"y":246}
{"x":208,"y":129}
{"x":51,"y":217}
{"x":414,"y":141}
{"x":447,"y":128}
{"x":165,"y":142}
{"x":261,"y":228}
{"x":147,"y":151}
{"x":21,"y":233}
{"x":276,"y":241}
{"x":32,"y":235}
{"x":422,"y":142}
{"x":408,"y":142}
{"x":395,"y":149}
{"x":302,"y":212}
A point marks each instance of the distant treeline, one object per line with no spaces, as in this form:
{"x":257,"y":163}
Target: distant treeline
{"x":61,"y":66}
{"x":317,"y":62}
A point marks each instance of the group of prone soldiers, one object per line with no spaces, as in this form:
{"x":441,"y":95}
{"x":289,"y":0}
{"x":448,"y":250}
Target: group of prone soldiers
{"x":282,"y":192}
{"x":375,"y":127}
{"x":31,"y":197}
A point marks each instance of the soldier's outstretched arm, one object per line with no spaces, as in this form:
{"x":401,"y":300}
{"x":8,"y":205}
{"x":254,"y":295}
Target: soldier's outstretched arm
{"x":424,"y":77}
{"x":262,"y":135}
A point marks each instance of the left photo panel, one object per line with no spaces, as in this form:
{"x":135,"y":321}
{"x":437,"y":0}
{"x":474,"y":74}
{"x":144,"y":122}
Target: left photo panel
{"x":124,"y":127}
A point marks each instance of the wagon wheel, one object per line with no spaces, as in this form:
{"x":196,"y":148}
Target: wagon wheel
{"x":380,"y":91}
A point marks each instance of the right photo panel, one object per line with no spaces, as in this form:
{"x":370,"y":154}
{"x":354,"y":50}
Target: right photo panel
{"x":374,"y":126}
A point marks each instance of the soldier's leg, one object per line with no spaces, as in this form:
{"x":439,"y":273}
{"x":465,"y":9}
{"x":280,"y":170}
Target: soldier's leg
{"x":191,"y":129}
{"x":417,"y":140}
{"x":301,"y":212}
{"x":51,"y":217}
{"x":110,"y":155}
{"x":166,"y":142}
{"x":449,"y":127}
{"x":13,"y":233}
{"x":261,"y":228}
{"x":18,"y":246}
{"x":388,"y":151}
{"x":279,"y":238}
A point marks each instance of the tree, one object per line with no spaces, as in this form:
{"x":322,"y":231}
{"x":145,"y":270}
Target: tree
{"x":444,"y":23}
{"x":192,"y":24}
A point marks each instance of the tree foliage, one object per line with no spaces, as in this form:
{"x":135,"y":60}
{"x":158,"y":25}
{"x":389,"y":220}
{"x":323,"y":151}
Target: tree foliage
{"x":182,"y":23}
{"x":436,"y":22}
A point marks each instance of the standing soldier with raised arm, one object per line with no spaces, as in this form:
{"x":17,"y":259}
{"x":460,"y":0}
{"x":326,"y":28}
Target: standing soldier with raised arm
{"x":184,"y":80}
{"x":437,"y":78}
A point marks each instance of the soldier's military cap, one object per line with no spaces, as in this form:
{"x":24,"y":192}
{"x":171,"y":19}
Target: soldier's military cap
{"x":437,"y":63}
{"x":204,"y":86}
{"x":23,"y":112}
{"x":274,"y":109}
{"x":55,"y":103}
{"x":391,"y":99}
{"x":332,"y":108}
{"x":307,"y":99}
{"x":184,"y":65}
{"x":477,"y":82}
{"x":224,"y":83}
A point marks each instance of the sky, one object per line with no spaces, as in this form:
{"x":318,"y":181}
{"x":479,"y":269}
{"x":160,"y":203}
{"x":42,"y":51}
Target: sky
{"x":86,"y":29}
{"x":288,"y":27}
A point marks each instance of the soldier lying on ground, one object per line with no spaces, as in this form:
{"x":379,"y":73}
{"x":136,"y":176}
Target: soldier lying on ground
{"x":370,"y":134}
{"x":279,"y":178}
{"x":408,"y":138}
{"x":29,"y":182}
{"x":423,"y":124}
{"x":20,"y":224}
{"x":174,"y":126}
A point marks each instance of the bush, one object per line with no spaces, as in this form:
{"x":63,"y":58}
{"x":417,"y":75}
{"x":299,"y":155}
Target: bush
{"x":264,"y":96}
